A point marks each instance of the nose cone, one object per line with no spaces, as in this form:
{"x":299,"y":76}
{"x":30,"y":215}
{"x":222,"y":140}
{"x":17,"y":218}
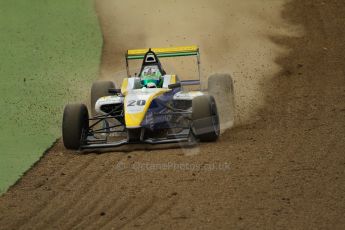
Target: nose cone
{"x":137,"y":103}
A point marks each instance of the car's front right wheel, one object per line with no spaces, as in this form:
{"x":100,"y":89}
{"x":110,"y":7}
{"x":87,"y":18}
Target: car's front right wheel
{"x":75,"y":125}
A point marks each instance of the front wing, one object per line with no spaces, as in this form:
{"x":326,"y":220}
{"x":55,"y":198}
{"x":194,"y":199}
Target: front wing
{"x":101,"y":137}
{"x":184,"y":136}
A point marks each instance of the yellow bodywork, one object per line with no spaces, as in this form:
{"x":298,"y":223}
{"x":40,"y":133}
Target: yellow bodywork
{"x":124,"y":86}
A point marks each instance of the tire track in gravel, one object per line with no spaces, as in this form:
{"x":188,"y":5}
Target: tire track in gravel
{"x":79,"y":182}
{"x":63,"y":212}
{"x":56,"y":181}
{"x":160,"y":212}
{"x":81,"y":222}
{"x":98,"y":194}
{"x":114,"y":212}
{"x":140,"y":212}
{"x":132,"y":213}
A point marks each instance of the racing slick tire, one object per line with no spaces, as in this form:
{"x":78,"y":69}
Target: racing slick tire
{"x":100,"y":89}
{"x":74,"y":125}
{"x":205,"y":119}
{"x":221,"y":87}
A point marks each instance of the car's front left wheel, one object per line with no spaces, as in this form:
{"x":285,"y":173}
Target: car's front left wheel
{"x":205,"y":118}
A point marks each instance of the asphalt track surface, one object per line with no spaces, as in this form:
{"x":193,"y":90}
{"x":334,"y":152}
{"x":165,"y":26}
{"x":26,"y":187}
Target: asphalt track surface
{"x":281,"y":166}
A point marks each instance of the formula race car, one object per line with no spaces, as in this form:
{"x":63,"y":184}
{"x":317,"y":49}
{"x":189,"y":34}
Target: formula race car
{"x":151,"y":107}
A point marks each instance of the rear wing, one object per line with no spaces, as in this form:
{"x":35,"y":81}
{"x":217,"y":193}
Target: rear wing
{"x":180,"y":51}
{"x":164,"y":52}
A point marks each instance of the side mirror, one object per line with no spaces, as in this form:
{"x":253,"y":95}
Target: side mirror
{"x":173,"y":86}
{"x":114,"y":91}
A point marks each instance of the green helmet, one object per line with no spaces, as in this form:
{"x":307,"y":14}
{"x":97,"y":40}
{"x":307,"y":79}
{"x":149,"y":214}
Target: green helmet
{"x":151,"y":77}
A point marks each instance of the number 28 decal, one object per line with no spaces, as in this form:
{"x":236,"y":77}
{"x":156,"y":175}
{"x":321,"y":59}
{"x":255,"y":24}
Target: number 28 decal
{"x":136,"y":103}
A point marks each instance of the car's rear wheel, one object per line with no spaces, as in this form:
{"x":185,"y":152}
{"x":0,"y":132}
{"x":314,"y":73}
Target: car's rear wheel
{"x":100,"y":89}
{"x":75,"y":124}
{"x":205,"y":120}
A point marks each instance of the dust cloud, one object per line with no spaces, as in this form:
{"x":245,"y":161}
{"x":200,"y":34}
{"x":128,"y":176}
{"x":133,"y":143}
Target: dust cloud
{"x":233,"y":36}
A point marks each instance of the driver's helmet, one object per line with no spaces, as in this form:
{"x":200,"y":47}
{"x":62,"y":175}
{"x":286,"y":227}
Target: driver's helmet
{"x":151,"y":77}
